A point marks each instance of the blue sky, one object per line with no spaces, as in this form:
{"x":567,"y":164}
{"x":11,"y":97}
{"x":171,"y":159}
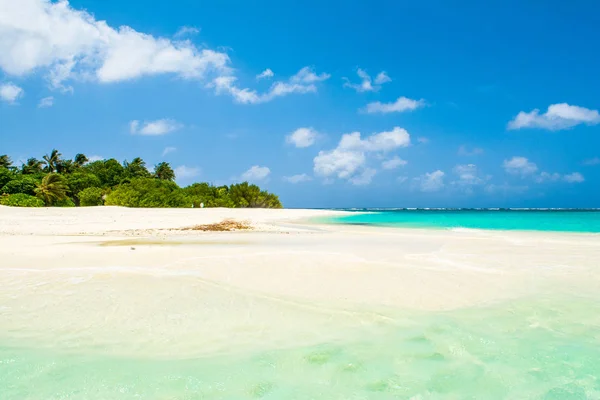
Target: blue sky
{"x":369,"y":104}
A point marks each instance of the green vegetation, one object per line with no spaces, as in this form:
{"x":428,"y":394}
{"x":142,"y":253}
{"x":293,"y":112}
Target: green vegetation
{"x":58,"y":182}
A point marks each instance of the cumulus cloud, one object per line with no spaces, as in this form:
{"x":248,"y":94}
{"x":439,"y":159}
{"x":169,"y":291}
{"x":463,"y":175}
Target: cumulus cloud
{"x":465,"y":151}
{"x":431,"y":181}
{"x":592,"y":161}
{"x":256,"y":173}
{"x":366,"y":83}
{"x":297,"y":178}
{"x":186,"y":31}
{"x":183,"y":172}
{"x":348,"y":159}
{"x":393,"y":163}
{"x":364,"y":178}
{"x":402,"y":104}
{"x":302,"y":137}
{"x":557,"y":117}
{"x":267,"y":73}
{"x":154,"y":128}
{"x":382,"y":78}
{"x":522,"y":166}
{"x":10,"y":92}
{"x":41,"y":35}
{"x":575,"y":177}
{"x":301,"y":83}
{"x":468,"y":176}
{"x":168,"y":150}
{"x":519,"y":166}
{"x":46,"y":102}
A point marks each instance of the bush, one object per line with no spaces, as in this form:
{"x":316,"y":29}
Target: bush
{"x":20,"y":200}
{"x":90,"y":197}
{"x":148,"y":193}
{"x":64,"y":203}
{"x":6,"y":175}
{"x":23,"y":184}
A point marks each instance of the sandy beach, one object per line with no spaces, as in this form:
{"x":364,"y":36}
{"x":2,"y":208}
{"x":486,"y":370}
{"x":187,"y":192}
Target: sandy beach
{"x":132,"y":283}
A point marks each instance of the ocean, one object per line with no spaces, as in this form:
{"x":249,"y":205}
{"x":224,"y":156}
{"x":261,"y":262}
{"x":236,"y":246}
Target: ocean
{"x":559,"y":220}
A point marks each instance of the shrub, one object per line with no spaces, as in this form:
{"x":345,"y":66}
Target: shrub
{"x":22,"y":184}
{"x":20,"y":200}
{"x":90,"y":197}
{"x":66,"y":202}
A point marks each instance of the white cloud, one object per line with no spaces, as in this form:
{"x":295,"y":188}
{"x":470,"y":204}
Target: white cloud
{"x":592,"y":161}
{"x":10,"y":92}
{"x":307,"y":75}
{"x":547,"y":177}
{"x":401,"y":179}
{"x":183,"y":172}
{"x":468,"y":175}
{"x":303,"y":82}
{"x":465,"y":151}
{"x":366,"y":84}
{"x":256,"y":173}
{"x":402,"y":104}
{"x":338,"y":162}
{"x":267,"y":73}
{"x":557,"y":117}
{"x":186,"y":31}
{"x":349,"y":158}
{"x":154,"y":128}
{"x":519,"y":166}
{"x":66,"y":44}
{"x":382,"y":78}
{"x":302,"y":137}
{"x":431,"y":182}
{"x":95,"y":158}
{"x":363,"y":178}
{"x":297,"y":178}
{"x":393,"y":163}
{"x":46,"y":102}
{"x":575,"y":177}
{"x":168,"y":150}
{"x":423,"y":140}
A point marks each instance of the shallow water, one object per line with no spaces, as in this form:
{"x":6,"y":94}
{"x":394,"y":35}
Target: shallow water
{"x":531,"y":220}
{"x":536,"y":348}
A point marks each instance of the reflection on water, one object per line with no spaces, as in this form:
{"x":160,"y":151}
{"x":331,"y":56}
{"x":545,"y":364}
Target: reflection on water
{"x":547,"y":347}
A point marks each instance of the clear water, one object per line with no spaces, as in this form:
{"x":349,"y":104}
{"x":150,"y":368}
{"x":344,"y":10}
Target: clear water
{"x":530,"y":220}
{"x":530,"y":349}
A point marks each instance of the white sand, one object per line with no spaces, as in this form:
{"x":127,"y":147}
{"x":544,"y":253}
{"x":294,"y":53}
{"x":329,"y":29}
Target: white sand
{"x":101,"y":275}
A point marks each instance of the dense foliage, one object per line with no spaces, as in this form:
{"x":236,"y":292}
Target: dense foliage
{"x":55,"y":181}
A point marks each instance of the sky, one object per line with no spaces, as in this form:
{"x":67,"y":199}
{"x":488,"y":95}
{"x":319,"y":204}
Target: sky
{"x":328,"y":104}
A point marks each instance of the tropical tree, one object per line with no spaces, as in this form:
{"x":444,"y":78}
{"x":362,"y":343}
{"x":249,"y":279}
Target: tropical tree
{"x":164,"y":172}
{"x":51,"y":189}
{"x":65,"y":166}
{"x":80,"y":160}
{"x":52,"y":160}
{"x":247,"y":195}
{"x":136,"y":168}
{"x":5,"y":161}
{"x":110,"y":172}
{"x":32,"y":166}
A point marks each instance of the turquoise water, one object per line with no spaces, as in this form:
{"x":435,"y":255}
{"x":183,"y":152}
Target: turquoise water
{"x":528,"y":349}
{"x":530,"y":220}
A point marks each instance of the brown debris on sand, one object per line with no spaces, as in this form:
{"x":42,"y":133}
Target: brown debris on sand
{"x":227,"y":225}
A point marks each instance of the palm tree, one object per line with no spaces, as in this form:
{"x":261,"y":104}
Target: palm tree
{"x":5,"y":161}
{"x":52,"y":160}
{"x":80,"y":160}
{"x":136,"y":168}
{"x":51,"y":189}
{"x":164,"y":171}
{"x":32,"y":166}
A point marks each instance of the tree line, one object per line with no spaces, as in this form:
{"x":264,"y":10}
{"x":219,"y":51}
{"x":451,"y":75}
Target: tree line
{"x":61,"y":182}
